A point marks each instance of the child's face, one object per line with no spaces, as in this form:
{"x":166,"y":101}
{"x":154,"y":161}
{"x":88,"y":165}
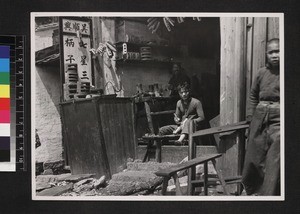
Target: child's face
{"x":184,"y":94}
{"x":273,"y":54}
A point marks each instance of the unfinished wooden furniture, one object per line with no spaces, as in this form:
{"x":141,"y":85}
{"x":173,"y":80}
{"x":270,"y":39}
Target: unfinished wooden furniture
{"x":154,"y":141}
{"x":192,"y":147}
{"x":154,"y":145}
{"x":172,"y":172}
{"x":204,"y":159}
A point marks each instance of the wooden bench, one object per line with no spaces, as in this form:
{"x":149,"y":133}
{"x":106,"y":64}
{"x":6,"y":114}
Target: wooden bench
{"x":172,"y":172}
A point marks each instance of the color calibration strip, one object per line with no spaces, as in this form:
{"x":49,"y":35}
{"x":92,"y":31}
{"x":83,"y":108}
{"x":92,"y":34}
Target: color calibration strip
{"x":4,"y":103}
{"x":12,"y":148}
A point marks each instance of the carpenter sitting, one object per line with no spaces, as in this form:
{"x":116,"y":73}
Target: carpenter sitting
{"x":188,"y":110}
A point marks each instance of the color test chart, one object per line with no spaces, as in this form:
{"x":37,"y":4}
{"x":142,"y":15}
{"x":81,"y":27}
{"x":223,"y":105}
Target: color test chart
{"x":12,"y":103}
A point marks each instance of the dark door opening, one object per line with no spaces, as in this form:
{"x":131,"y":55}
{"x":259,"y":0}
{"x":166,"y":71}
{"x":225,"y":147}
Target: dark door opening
{"x":200,"y":47}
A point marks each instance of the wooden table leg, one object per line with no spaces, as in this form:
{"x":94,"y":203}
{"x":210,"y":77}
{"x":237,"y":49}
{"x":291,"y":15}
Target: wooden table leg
{"x":165,"y":185}
{"x":149,"y":118}
{"x":158,"y":151}
{"x":205,"y":184}
{"x":146,"y":156}
{"x":191,"y":155}
{"x":177,"y":184}
{"x":220,"y":176}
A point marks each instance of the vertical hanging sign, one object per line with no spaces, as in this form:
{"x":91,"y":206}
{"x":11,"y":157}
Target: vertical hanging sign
{"x":76,"y":61}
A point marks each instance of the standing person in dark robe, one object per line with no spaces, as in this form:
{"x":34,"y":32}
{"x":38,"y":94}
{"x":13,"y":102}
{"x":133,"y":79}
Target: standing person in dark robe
{"x":261,"y":172}
{"x":178,"y":78}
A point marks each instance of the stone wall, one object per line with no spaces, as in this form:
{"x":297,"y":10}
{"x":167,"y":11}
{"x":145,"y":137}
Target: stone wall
{"x":47,"y":116}
{"x":46,"y":104}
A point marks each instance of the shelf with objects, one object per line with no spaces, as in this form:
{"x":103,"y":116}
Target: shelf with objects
{"x":147,"y":52}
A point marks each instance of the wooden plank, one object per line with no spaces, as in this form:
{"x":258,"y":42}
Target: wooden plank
{"x":259,"y":43}
{"x":86,"y":149}
{"x":221,"y":129}
{"x":157,"y":137}
{"x":196,"y":161}
{"x":273,"y":27}
{"x":249,"y":60}
{"x":162,"y":112}
{"x":118,"y":131}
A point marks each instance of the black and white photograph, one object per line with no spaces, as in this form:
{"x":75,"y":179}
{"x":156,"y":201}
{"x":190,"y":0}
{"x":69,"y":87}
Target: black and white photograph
{"x":157,"y":106}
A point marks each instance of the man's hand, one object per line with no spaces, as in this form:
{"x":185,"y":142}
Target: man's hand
{"x":176,"y":119}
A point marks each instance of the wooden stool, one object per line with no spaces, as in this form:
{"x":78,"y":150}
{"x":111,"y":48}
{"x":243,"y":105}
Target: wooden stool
{"x":154,"y":142}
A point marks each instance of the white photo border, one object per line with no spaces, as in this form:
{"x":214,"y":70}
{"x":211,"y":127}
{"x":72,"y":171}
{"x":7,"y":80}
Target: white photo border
{"x":159,"y":198}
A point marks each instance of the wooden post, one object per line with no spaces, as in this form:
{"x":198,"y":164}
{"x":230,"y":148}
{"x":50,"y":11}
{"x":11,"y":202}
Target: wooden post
{"x":233,"y":87}
{"x":165,"y":185}
{"x":205,"y":184}
{"x":249,"y":55}
{"x":191,"y":155}
{"x":158,"y":151}
{"x":259,"y":43}
{"x":273,"y":27}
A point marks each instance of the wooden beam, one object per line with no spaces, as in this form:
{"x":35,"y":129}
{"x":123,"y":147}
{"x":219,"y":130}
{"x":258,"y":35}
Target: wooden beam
{"x":259,"y":43}
{"x":232,"y":88}
{"x":221,"y":129}
{"x":249,"y":53}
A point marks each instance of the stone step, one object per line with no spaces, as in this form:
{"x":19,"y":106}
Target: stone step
{"x":147,"y":166}
{"x":137,"y":176}
{"x":174,"y":154}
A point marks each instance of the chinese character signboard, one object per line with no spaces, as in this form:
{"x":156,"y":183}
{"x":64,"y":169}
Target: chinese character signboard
{"x":75,"y":56}
{"x":72,"y":26}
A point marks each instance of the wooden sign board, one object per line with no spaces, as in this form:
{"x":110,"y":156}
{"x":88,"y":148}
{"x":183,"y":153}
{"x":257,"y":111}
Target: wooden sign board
{"x":76,"y":37}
